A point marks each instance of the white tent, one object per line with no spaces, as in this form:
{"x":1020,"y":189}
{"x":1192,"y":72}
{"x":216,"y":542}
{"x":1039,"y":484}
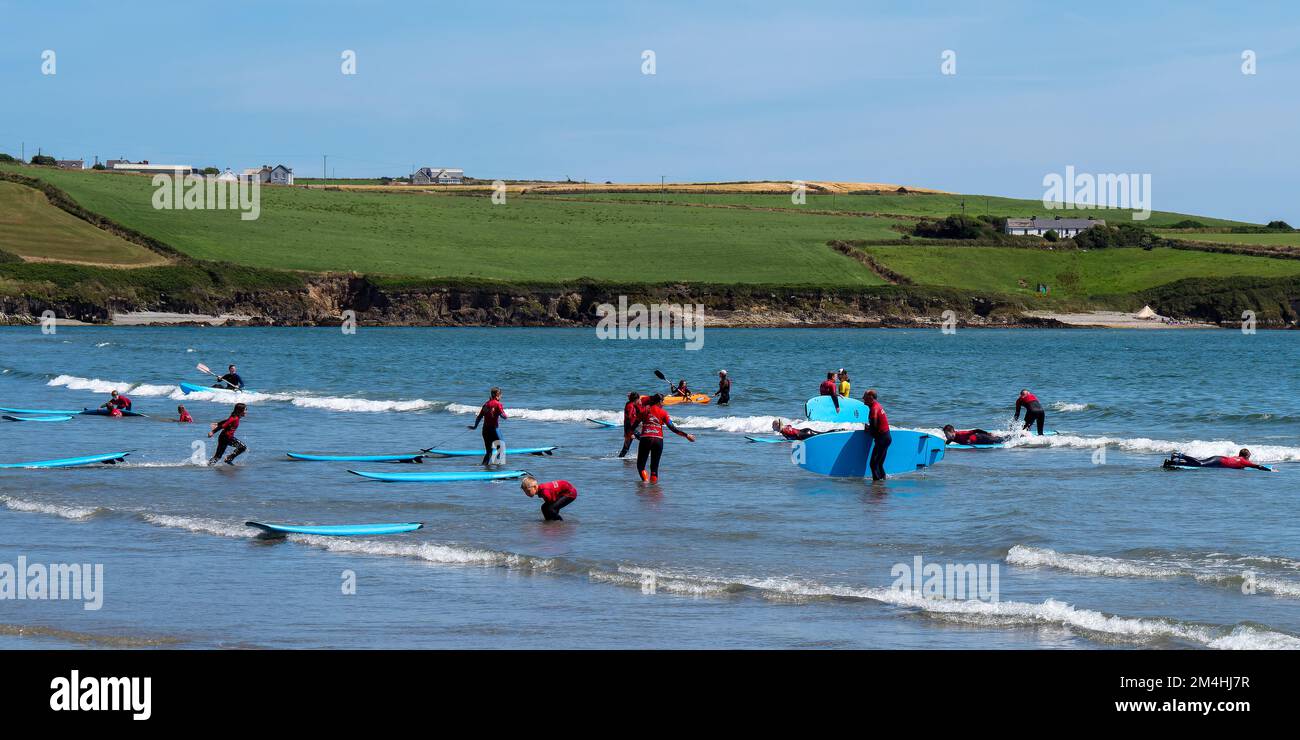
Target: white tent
{"x":1146,"y":313}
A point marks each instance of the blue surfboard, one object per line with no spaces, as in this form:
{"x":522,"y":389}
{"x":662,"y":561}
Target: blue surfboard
{"x":605,"y":424}
{"x":68,"y":462}
{"x":822,"y":408}
{"x":104,"y":412}
{"x":413,"y":457}
{"x":37,"y":412}
{"x":14,"y":417}
{"x":336,"y":530}
{"x":769,"y":440}
{"x":479,"y":453}
{"x":448,"y":477}
{"x":188,"y":388}
{"x":846,"y":454}
{"x":1168,"y":466}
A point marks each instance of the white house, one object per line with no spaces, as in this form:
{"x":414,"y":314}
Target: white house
{"x":1064,"y":227}
{"x":228,"y":176}
{"x":277,"y":175}
{"x":438,"y":176}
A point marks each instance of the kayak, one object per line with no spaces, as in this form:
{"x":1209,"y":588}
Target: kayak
{"x":822,"y":408}
{"x":770,"y":440}
{"x":60,"y":417}
{"x":440,"y":477}
{"x":104,"y":412}
{"x":188,"y":388}
{"x":68,"y":462}
{"x":336,"y":530}
{"x":38,"y":412}
{"x":997,"y":445}
{"x":413,"y":457}
{"x":846,"y":454}
{"x":479,"y":453}
{"x":606,"y":424}
{"x":700,"y":398}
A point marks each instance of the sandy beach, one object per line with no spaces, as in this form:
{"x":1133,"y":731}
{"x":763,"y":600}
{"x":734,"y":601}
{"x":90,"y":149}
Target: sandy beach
{"x":1119,"y":320}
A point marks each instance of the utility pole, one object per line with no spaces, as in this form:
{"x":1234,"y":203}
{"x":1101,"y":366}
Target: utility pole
{"x":323,"y":171}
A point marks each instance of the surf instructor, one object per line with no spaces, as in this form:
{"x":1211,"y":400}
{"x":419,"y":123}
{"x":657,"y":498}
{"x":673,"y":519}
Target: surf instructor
{"x":724,"y":388}
{"x":878,"y":428}
{"x":491,"y":414}
{"x":650,"y":446}
{"x":230,"y":380}
{"x":1033,"y":410}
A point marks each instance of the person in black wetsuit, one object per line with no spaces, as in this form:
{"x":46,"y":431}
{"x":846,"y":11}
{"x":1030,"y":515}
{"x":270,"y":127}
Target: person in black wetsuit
{"x":789,"y":431}
{"x":230,"y":380}
{"x":1239,"y":461}
{"x":724,"y":388}
{"x":1033,"y":410}
{"x":878,"y":427}
{"x":631,"y":416}
{"x":971,"y":436}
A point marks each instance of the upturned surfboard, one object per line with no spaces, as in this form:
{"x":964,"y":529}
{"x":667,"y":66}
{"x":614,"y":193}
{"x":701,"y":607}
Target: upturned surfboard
{"x":336,"y":530}
{"x":846,"y":454}
{"x":822,"y":408}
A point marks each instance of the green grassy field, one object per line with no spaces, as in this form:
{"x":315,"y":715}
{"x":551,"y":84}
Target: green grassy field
{"x":928,"y":205}
{"x":1283,"y":239}
{"x":421,"y":235}
{"x":1072,"y":274}
{"x":31,"y":227}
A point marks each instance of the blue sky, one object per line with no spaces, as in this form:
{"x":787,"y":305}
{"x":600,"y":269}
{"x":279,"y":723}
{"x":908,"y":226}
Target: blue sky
{"x":758,"y":90}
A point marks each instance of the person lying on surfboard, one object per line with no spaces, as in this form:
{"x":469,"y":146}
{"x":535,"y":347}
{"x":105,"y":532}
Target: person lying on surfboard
{"x":230,"y":380}
{"x":650,"y":445}
{"x":227,"y":438}
{"x":117,"y":403}
{"x":631,"y":414}
{"x":555,"y":494}
{"x":1239,"y":461}
{"x":789,"y":431}
{"x":971,"y":436}
{"x":830,"y":388}
{"x":183,"y":415}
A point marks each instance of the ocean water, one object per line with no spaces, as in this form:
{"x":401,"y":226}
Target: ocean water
{"x":1092,"y":544}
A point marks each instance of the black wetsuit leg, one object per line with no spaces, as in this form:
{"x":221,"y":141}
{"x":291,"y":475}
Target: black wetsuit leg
{"x":551,"y":511}
{"x":627,"y":440}
{"x":489,"y":436}
{"x":652,"y":449}
{"x":879,"y":448}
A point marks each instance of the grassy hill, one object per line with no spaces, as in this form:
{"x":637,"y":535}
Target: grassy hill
{"x":33,"y":228}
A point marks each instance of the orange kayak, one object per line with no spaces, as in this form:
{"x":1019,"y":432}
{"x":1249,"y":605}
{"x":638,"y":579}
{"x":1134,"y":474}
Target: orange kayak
{"x":693,"y":398}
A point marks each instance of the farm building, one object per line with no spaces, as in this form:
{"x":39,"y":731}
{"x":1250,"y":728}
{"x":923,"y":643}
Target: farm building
{"x":1064,"y":227}
{"x":438,"y":176}
{"x":277,"y":175}
{"x":71,"y":164}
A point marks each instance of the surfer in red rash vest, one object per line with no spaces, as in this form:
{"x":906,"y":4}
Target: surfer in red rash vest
{"x":1033,"y":410}
{"x":830,"y":388}
{"x":631,"y":415}
{"x":555,"y":495}
{"x":227,"y":438}
{"x":1236,"y":462}
{"x":491,"y":414}
{"x":650,"y":446}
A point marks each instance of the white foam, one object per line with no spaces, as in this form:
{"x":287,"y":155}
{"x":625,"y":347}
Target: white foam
{"x":427,"y":551}
{"x":72,"y":382}
{"x":202,"y":524}
{"x":37,"y":507}
{"x":1195,"y":447}
{"x":361,"y":404}
{"x":1212,"y":569}
{"x":1066,"y":407}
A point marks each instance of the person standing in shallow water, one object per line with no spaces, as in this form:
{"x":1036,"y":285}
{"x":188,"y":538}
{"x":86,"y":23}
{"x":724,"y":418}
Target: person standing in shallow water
{"x":491,"y":414}
{"x":650,"y":445}
{"x":227,"y":438}
{"x":878,"y":429}
{"x":724,"y":388}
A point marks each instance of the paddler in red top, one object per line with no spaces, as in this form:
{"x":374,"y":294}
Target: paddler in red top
{"x":1238,"y":462}
{"x":116,"y":404}
{"x":651,"y":443}
{"x":631,"y":415}
{"x":555,"y":495}
{"x":491,"y":414}
{"x":227,"y":438}
{"x":830,"y":388}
